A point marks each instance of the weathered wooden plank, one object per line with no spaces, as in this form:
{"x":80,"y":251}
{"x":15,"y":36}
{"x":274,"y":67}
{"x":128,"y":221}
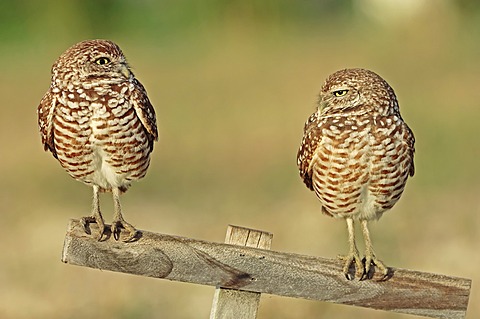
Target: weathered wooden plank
{"x":266,"y":271}
{"x":239,"y":304}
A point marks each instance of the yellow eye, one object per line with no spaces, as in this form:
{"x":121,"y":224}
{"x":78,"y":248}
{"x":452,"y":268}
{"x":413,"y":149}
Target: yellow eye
{"x":102,"y":61}
{"x":339,"y":93}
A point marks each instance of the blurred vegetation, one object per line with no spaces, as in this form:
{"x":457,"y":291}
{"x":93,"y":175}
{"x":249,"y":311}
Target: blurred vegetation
{"x":233,"y":83}
{"x":31,"y":20}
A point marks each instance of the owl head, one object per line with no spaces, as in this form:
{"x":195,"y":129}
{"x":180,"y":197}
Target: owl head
{"x":91,"y":61}
{"x":356,"y":91}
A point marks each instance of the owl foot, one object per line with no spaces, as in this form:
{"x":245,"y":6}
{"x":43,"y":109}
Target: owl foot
{"x":353,"y":266}
{"x":86,"y":221}
{"x":371,"y":260}
{"x":116,"y":227}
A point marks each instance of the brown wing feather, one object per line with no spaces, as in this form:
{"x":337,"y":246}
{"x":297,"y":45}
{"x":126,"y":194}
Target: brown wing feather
{"x":310,"y":141}
{"x":411,"y":148}
{"x":45,"y":122}
{"x":144,"y":110}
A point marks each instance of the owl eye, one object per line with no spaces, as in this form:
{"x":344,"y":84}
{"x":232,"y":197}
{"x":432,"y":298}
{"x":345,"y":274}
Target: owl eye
{"x":339,"y":93}
{"x":102,"y":61}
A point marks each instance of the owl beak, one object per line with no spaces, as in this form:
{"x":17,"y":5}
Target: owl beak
{"x":125,"y":71}
{"x":321,"y":104}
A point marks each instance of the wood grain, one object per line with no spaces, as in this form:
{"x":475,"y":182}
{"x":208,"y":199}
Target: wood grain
{"x":239,"y":304}
{"x":265,"y":271}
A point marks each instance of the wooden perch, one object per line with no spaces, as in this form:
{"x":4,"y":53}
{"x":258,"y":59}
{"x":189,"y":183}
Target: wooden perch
{"x":233,"y":303}
{"x":265,"y":271}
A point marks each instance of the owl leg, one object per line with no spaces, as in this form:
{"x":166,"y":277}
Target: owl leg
{"x":353,"y":256}
{"x":96,"y":216}
{"x":118,"y":221}
{"x":370,"y":258}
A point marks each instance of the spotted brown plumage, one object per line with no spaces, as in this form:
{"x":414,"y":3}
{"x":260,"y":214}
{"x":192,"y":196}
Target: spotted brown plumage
{"x":357,"y":154}
{"x":97,"y":121}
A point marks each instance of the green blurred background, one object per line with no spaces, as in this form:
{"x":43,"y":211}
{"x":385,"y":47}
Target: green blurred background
{"x":233,"y":83}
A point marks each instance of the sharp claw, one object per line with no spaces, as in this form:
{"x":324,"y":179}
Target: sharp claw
{"x":116,"y":230}
{"x":363,"y":268}
{"x":86,"y":221}
{"x":388,"y":273}
{"x":352,"y":259}
{"x":381,"y":267}
{"x":372,"y":262}
{"x":366,"y":274}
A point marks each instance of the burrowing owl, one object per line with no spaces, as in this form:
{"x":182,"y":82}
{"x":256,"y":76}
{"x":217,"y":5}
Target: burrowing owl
{"x":356,"y":155}
{"x":98,"y":122}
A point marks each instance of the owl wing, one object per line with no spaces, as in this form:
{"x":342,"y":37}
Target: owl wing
{"x":144,"y":109}
{"x":311,"y":138}
{"x":45,"y":113}
{"x":410,"y":138}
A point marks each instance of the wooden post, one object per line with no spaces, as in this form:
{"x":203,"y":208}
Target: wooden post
{"x":266,"y":271}
{"x":238,"y":304}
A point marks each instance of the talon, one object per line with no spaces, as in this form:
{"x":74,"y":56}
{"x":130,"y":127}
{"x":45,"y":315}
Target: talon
{"x":119,"y":222}
{"x":86,"y":221}
{"x":387,"y":274}
{"x":371,"y":260}
{"x":366,"y":274}
{"x":116,"y":230}
{"x":367,"y":261}
{"x":380,"y":266}
{"x":352,"y":259}
{"x":353,"y":256}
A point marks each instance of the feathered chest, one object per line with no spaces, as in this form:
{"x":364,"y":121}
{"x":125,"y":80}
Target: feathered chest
{"x":356,"y":164}
{"x":98,"y":116}
{"x":99,"y":131}
{"x":100,"y":109}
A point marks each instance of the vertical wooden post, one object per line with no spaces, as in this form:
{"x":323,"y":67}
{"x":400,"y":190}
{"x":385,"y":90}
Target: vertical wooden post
{"x":236,"y":304}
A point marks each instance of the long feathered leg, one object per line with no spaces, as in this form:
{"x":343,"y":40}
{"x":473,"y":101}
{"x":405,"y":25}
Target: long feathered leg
{"x":353,"y":255}
{"x":96,"y":216}
{"x":118,"y":221}
{"x":370,"y":258}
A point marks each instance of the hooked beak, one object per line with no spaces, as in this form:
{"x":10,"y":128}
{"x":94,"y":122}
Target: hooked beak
{"x":125,"y":71}
{"x":321,"y":104}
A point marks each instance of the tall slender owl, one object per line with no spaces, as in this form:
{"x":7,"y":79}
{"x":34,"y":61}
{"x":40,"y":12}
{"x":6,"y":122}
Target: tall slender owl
{"x":356,"y":155}
{"x":97,"y":121}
